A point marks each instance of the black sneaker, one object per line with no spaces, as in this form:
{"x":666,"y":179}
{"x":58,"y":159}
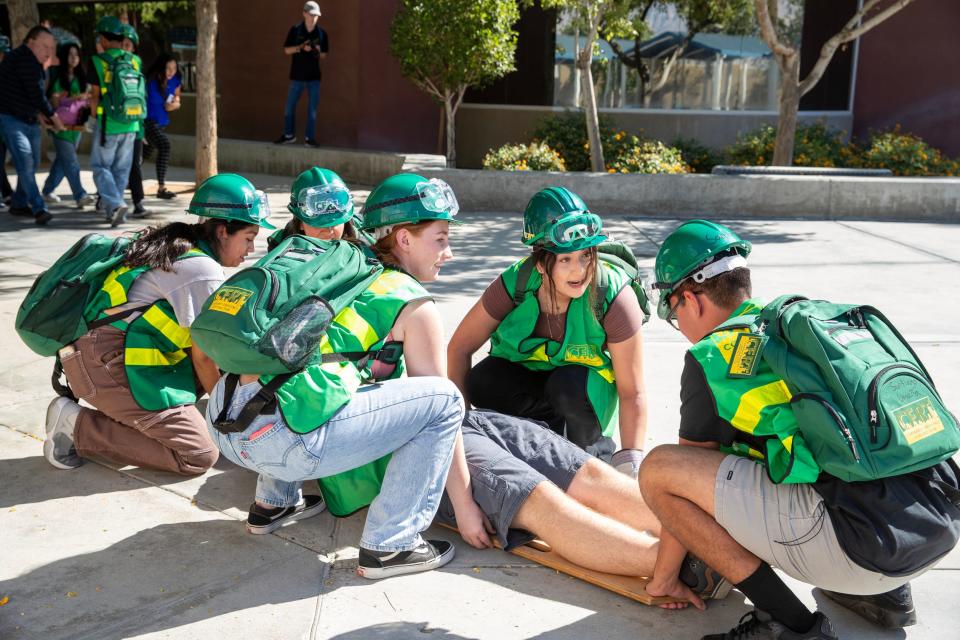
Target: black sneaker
{"x":166,"y":194}
{"x":260,"y":520}
{"x":285,"y":139}
{"x":431,"y":554}
{"x":890,"y":610}
{"x":43,"y":218}
{"x":310,"y":142}
{"x":140,"y":211}
{"x":25,"y":212}
{"x":759,"y":625}
{"x":703,"y":580}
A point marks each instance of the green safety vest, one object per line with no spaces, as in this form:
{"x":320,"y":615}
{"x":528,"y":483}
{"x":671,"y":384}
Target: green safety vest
{"x":311,"y":397}
{"x":159,"y":370}
{"x":73,"y":91}
{"x":757,"y":405}
{"x":583,"y":340}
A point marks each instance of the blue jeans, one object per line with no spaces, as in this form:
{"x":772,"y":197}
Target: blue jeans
{"x":417,"y":419}
{"x":23,"y":143}
{"x":111,"y":164}
{"x":66,"y":165}
{"x":290,"y":111}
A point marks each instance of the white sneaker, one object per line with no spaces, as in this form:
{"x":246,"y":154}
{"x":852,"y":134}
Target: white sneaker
{"x":58,"y":447}
{"x":118,"y":215}
{"x":85,"y":201}
{"x":51,"y":198}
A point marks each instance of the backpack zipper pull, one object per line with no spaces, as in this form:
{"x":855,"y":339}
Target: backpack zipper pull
{"x":874,"y":419}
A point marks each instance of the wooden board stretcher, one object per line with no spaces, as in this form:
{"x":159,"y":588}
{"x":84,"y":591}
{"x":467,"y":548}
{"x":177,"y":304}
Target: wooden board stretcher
{"x":630,"y":587}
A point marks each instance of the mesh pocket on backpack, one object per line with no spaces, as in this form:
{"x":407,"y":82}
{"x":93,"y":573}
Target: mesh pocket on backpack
{"x":294,"y":339}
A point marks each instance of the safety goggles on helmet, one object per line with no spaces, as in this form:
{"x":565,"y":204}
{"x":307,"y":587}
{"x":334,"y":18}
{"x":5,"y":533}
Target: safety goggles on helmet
{"x":569,"y":229}
{"x":323,"y":200}
{"x":434,"y":195}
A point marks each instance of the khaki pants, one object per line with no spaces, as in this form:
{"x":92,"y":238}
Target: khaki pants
{"x":174,"y":439}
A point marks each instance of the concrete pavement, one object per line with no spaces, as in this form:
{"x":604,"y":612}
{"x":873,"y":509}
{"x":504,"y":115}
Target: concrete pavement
{"x":105,"y":552}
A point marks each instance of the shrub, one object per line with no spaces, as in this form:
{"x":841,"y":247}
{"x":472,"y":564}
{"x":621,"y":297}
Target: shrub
{"x":535,"y":156}
{"x":816,"y":145}
{"x":567,"y":133}
{"x":905,"y":155}
{"x":700,"y":158}
{"x":626,"y":153}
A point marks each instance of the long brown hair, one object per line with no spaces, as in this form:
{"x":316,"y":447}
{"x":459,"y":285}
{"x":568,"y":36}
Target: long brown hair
{"x":159,"y":247}
{"x":546,"y":260}
{"x":384,"y":247}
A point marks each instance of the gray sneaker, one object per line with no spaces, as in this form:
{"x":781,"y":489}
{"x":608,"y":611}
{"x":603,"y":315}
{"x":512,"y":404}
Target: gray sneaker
{"x":118,"y":215}
{"x":758,"y":625}
{"x":58,"y":447}
{"x":85,"y":201}
{"x":431,"y":554}
{"x":703,"y":580}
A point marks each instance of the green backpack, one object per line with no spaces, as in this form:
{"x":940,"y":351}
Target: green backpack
{"x":270,"y":318}
{"x":55,"y":312}
{"x":126,"y":97}
{"x":863,"y":401}
{"x":611,"y":252}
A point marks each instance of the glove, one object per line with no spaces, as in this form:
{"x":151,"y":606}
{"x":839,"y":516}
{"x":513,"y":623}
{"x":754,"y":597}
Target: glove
{"x":627,"y":461}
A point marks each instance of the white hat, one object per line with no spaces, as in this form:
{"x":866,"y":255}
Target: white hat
{"x":312,"y":8}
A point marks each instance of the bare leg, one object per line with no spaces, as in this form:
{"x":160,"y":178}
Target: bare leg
{"x":602,"y":488}
{"x":678,"y":483}
{"x":585,"y":537}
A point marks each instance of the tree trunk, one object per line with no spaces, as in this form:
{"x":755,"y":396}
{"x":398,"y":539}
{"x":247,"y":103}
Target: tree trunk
{"x":23,"y":17}
{"x":589,"y":102}
{"x":206,"y":152}
{"x":789,"y":105}
{"x":450,"y":112}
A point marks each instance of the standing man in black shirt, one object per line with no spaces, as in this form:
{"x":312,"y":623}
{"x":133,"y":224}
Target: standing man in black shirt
{"x":307,"y":44}
{"x":22,"y":103}
{"x":859,"y":542}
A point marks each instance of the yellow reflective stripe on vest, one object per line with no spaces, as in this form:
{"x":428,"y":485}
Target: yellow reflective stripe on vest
{"x":114,"y":289}
{"x":607,"y":374}
{"x":724,"y":342}
{"x":539,"y":354}
{"x":152,"y":357}
{"x":387,"y":282}
{"x":167,"y":327}
{"x":756,"y":400}
{"x":355,"y":324}
{"x":350,"y":382}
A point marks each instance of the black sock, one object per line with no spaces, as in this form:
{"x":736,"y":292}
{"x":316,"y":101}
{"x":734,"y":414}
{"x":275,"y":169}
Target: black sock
{"x":768,"y":592}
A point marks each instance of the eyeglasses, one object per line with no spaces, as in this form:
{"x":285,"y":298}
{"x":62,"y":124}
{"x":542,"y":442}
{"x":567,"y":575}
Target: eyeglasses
{"x":672,"y":315}
{"x":327,"y":199}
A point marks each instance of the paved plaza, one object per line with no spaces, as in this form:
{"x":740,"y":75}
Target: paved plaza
{"x":103,"y":552}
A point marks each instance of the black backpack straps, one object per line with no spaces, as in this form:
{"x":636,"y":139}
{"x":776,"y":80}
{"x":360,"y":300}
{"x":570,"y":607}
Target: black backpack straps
{"x":389,"y":353}
{"x":60,"y":388}
{"x":117,"y":316}
{"x":263,"y":402}
{"x":603,"y":285}
{"x":523,"y":276}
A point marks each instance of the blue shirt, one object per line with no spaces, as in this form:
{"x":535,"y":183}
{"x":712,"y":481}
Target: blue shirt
{"x":157,"y":98}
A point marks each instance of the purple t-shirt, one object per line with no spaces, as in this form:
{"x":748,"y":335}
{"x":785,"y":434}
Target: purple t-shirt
{"x":156,"y":98}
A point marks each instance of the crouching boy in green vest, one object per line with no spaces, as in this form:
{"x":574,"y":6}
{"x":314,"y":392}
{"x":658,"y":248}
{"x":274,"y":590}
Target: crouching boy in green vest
{"x":715,"y":493}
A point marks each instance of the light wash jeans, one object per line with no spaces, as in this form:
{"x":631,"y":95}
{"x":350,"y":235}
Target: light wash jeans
{"x":290,"y":110}
{"x":23,"y":142}
{"x":66,"y":165}
{"x":417,"y":419}
{"x":111,"y":164}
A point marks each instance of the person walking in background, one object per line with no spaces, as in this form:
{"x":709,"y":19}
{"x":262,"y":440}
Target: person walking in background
{"x":68,"y":94}
{"x":307,"y":44}
{"x":6,"y":191}
{"x":120,"y":104}
{"x":135,"y":182}
{"x":163,"y":96}
{"x":22,"y":103}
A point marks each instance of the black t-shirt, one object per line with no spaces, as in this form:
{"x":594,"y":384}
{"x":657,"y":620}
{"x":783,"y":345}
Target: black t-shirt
{"x":305,"y":65}
{"x":894,"y":526}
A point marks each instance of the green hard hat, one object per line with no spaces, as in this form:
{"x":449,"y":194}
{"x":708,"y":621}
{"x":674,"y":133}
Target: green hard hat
{"x":320,"y":198}
{"x":558,"y":220}
{"x":229,"y":196}
{"x":128,"y":32}
{"x":110,"y":25}
{"x":407,"y":197}
{"x":690,"y":250}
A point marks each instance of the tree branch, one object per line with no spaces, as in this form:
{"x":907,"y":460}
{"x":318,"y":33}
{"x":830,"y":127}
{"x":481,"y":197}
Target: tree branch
{"x":769,"y":32}
{"x":851,"y":31}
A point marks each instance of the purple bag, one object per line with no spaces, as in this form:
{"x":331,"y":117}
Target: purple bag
{"x":69,"y":110}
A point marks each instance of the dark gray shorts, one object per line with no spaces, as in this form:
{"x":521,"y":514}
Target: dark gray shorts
{"x":508,"y":457}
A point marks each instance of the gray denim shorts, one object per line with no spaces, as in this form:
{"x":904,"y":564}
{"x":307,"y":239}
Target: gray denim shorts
{"x":787,"y":526}
{"x":508,"y":457}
